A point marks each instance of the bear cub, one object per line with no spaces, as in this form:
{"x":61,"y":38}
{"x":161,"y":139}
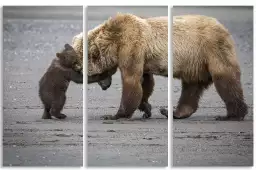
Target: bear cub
{"x":54,"y":83}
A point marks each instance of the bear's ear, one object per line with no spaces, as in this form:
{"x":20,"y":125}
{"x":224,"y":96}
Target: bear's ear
{"x":68,"y":47}
{"x":58,"y":55}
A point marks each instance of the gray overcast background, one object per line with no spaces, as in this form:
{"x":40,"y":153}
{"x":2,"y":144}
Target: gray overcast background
{"x":43,"y":12}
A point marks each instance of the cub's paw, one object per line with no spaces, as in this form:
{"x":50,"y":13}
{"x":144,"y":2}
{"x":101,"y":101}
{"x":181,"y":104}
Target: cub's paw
{"x":61,"y":116}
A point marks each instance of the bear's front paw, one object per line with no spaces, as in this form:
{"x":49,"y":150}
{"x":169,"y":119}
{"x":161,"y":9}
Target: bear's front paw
{"x":146,"y":116}
{"x":181,"y":114}
{"x":146,"y":107}
{"x":108,"y":117}
{"x":226,"y":118}
{"x":46,"y":116}
{"x":164,"y":112}
{"x":61,"y":116}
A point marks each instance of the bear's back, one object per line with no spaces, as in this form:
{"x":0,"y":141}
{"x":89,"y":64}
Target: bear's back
{"x":198,"y":26}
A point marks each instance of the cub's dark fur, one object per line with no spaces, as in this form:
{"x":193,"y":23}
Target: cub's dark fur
{"x":54,"y":83}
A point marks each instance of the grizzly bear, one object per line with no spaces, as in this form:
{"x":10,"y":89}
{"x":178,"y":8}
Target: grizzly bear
{"x":54,"y":83}
{"x":138,"y":47}
{"x":204,"y":53}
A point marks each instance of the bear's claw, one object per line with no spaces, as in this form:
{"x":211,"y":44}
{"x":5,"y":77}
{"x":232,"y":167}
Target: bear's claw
{"x":61,"y":116}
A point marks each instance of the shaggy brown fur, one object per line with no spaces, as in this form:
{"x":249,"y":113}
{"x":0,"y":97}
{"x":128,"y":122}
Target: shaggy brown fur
{"x":54,"y":83}
{"x":77,"y":44}
{"x":204,"y":53}
{"x":134,"y":45}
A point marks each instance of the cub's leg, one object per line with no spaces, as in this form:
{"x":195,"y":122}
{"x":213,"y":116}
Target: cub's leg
{"x":188,"y":102}
{"x":57,"y":106}
{"x":46,"y":100}
{"x":148,"y":84}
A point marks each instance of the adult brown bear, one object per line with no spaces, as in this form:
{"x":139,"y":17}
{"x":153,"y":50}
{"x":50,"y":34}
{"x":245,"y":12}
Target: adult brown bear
{"x":139,"y":48}
{"x":204,"y":53}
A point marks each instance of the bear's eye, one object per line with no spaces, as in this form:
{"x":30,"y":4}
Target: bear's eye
{"x":94,"y":52}
{"x":75,"y":62}
{"x":95,"y":57}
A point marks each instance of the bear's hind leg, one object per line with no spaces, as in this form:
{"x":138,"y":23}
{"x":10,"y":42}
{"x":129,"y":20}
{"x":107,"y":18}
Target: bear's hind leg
{"x":188,"y":102}
{"x":230,"y":90}
{"x":57,"y":106}
{"x":148,"y":84}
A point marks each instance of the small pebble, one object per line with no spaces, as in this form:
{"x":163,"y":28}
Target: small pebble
{"x":111,"y":131}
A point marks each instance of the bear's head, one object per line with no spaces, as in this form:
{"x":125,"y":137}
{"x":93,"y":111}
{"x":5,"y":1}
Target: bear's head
{"x":102,"y":51}
{"x":68,"y":57}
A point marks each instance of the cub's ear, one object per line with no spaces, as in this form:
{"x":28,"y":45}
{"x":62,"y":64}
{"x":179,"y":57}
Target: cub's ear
{"x":58,"y":55}
{"x":68,"y":47}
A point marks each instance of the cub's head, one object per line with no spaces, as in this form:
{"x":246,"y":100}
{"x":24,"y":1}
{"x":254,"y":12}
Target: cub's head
{"x":106,"y":83}
{"x":68,"y":57}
